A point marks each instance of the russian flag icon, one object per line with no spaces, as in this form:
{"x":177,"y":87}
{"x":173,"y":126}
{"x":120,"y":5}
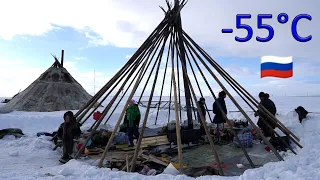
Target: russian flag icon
{"x":274,"y":66}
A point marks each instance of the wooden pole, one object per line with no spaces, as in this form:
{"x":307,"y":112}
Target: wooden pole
{"x":223,"y":114}
{"x":62,"y":57}
{"x":176,"y":113}
{"x":240,"y":96}
{"x":169,"y":114}
{"x":264,"y":121}
{"x":120,"y":118}
{"x":179,"y":93}
{"x":114,"y":78}
{"x":163,"y":81}
{"x":154,"y":35}
{"x":159,"y":58}
{"x":236,"y":103}
{"x":195,"y":77}
{"x":117,"y":81}
{"x":215,"y":154}
{"x":105,"y":111}
{"x":178,"y":28}
{"x":155,"y":46}
{"x":220,"y":69}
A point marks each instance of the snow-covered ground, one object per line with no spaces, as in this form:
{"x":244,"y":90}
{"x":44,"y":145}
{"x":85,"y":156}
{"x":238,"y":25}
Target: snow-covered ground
{"x":31,"y":157}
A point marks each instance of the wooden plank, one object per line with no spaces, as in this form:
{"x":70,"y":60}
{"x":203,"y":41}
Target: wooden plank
{"x":127,"y":162}
{"x":130,"y":164}
{"x":154,"y":159}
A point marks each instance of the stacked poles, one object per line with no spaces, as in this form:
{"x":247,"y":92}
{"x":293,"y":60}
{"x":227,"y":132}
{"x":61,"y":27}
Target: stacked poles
{"x":245,"y":94}
{"x":134,"y":71}
{"x":142,"y":50}
{"x":133,"y":60}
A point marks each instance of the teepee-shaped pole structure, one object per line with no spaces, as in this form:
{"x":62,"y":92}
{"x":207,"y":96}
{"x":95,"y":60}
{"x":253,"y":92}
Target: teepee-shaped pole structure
{"x":170,"y":43}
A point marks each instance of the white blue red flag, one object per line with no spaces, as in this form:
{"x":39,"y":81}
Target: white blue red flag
{"x":273,"y":66}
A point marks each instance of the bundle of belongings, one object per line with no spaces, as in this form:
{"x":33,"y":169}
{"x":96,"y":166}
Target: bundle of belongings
{"x":17,"y":133}
{"x":246,"y":139}
{"x":101,"y":138}
{"x":279,"y":144}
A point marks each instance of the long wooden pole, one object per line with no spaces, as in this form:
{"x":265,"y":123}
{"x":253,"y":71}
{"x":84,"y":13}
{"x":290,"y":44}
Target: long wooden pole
{"x":264,"y":121}
{"x":107,"y":95}
{"x":163,"y":81}
{"x":218,"y":68}
{"x":236,"y":103}
{"x":104,"y":113}
{"x":173,"y":79}
{"x":142,"y":48}
{"x":169,"y":114}
{"x":159,"y":58}
{"x":204,"y":123}
{"x":224,"y":115}
{"x":246,"y":93}
{"x":156,"y":47}
{"x":200,"y":91}
{"x":108,"y":85}
{"x":120,"y":118}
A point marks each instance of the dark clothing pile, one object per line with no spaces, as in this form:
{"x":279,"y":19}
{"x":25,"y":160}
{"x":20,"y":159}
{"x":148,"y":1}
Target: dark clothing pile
{"x":11,"y":131}
{"x":218,"y":118}
{"x":99,"y":139}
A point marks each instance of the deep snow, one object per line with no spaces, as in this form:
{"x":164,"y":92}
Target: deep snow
{"x":31,"y":157}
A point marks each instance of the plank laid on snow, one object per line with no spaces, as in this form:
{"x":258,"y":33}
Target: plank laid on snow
{"x":146,"y":142}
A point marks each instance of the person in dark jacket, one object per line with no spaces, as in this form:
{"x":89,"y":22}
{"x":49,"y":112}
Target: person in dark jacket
{"x":218,"y":118}
{"x":201,"y":103}
{"x":274,"y":110}
{"x":68,"y":131}
{"x":269,"y":105}
{"x":132,"y":121}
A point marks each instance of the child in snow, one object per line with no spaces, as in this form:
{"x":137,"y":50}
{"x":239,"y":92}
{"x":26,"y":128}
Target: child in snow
{"x":132,"y":120}
{"x":68,"y":132}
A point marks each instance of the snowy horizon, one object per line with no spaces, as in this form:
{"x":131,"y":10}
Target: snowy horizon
{"x":111,"y":31}
{"x":36,"y":152}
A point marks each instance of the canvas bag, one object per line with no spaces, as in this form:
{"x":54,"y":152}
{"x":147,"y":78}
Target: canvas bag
{"x":246,"y":140}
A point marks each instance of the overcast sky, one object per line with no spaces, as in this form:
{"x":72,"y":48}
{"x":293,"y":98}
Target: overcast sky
{"x":100,"y":35}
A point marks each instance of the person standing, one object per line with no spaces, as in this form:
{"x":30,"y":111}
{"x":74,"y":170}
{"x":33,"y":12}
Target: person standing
{"x":132,"y":121}
{"x":202,"y":103}
{"x":274,"y":110}
{"x":218,"y":118}
{"x":264,"y":122}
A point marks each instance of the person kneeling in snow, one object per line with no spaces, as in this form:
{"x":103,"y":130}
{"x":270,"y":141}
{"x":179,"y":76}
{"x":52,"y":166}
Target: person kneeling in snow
{"x":68,"y":132}
{"x":132,"y":120}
